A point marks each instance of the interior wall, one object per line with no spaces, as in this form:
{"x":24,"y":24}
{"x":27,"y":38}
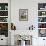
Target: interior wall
{"x":32,"y":6}
{"x":32,"y":13}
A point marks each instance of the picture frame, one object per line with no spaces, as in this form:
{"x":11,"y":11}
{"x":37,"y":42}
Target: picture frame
{"x":23,"y":14}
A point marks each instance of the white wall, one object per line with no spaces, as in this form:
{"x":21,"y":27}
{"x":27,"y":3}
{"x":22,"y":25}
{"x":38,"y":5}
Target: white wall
{"x":32,"y":6}
{"x":32,"y":13}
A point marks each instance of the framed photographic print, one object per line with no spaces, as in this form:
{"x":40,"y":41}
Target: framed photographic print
{"x":23,"y":14}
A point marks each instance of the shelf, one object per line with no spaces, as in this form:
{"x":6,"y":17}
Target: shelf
{"x":42,"y":19}
{"x":3,"y":22}
{"x":41,"y":28}
{"x":41,"y":10}
{"x":41,"y":22}
{"x":3,"y":16}
{"x":4,"y":19}
{"x":3,"y":10}
{"x":42,"y":16}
